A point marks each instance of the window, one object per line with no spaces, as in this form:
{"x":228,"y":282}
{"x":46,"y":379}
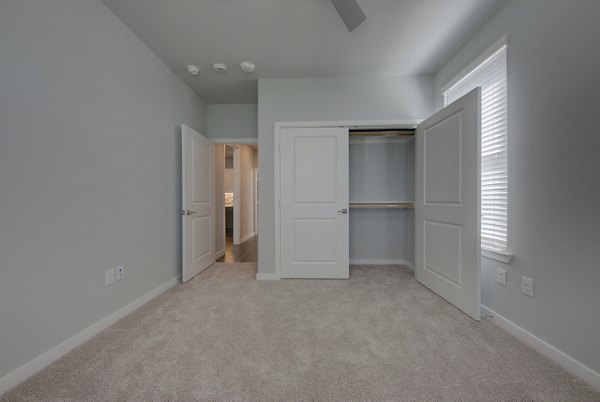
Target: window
{"x":490,"y":75}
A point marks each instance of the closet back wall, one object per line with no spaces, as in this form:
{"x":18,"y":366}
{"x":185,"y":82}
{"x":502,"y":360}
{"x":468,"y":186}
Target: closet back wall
{"x":381,"y":170}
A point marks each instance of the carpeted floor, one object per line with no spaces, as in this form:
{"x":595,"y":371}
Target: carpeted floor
{"x":378,"y":336}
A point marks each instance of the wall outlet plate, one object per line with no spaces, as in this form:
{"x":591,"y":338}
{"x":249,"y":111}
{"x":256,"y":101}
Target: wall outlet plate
{"x":109,"y":276}
{"x":120,"y":272}
{"x":501,"y":276}
{"x":527,"y":286}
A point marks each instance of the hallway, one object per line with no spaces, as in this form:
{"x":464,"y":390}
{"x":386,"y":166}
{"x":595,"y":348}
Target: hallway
{"x":245,"y":252}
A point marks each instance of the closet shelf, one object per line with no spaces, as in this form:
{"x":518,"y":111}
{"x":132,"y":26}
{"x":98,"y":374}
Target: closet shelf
{"x":382,"y":133}
{"x":382,"y":205}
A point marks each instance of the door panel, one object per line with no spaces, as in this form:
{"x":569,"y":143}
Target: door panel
{"x":443,"y":175}
{"x":314,"y":191}
{"x":201,"y":238}
{"x":447,"y":224}
{"x":312,"y":239}
{"x":202,"y":157}
{"x":315,"y":174}
{"x":198,"y":203}
{"x":443,"y":243}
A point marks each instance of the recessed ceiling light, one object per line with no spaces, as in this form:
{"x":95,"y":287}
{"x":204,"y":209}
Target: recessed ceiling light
{"x":247,"y":66}
{"x":220,"y":67}
{"x":194,"y":70}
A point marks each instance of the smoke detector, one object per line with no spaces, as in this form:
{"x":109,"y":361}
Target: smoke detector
{"x":220,"y":67}
{"x":194,"y":70}
{"x":247,"y":66}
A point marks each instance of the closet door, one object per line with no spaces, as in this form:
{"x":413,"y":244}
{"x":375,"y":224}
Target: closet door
{"x":447,"y":243}
{"x":314,"y":203}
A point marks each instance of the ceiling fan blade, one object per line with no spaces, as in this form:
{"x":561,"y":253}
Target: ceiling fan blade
{"x":351,"y":13}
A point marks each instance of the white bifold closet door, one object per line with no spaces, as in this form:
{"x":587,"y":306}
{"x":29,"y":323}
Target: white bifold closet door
{"x":314,"y":203}
{"x":198,"y":215}
{"x":447,"y":203}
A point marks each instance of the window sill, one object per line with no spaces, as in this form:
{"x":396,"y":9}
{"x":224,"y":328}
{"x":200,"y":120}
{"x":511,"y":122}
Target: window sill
{"x":502,"y":256}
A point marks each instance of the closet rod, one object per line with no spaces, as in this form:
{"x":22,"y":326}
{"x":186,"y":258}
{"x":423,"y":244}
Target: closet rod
{"x":382,"y":133}
{"x":380,"y":205}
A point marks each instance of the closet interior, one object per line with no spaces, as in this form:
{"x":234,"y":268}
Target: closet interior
{"x":381,"y":184}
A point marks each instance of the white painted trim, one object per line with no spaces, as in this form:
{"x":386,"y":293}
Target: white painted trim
{"x":247,"y":237}
{"x":565,"y":361}
{"x":237,"y":196}
{"x":45,"y":359}
{"x":219,"y":203}
{"x":502,"y":256}
{"x":372,"y":261}
{"x":404,"y":123}
{"x":503,"y":41}
{"x":277,"y":195}
{"x":255,"y":198}
{"x":239,"y":141}
{"x":267,"y":276}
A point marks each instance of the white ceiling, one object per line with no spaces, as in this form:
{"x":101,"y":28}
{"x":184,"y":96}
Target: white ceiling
{"x":298,"y":38}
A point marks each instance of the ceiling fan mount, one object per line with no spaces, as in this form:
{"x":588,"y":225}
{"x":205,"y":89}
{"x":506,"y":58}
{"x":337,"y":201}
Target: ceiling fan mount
{"x":350,"y":12}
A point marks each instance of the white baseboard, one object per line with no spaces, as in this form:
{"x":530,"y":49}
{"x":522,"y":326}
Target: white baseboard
{"x":247,"y":237}
{"x":45,"y":359}
{"x":219,"y":254}
{"x":358,"y":261}
{"x":565,"y":361}
{"x":267,"y":277}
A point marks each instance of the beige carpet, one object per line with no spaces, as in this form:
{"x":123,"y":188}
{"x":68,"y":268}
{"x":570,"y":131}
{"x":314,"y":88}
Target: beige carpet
{"x":378,"y":336}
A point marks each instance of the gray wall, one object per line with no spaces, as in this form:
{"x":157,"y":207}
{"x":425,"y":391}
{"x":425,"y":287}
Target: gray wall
{"x":326,"y":99}
{"x":232,"y":121}
{"x":89,"y":170}
{"x":554,"y":169}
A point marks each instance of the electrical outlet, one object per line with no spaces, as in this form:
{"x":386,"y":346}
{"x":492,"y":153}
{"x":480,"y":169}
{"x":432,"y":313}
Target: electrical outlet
{"x":501,"y":276}
{"x":120,"y":272}
{"x":109,"y":276}
{"x":527,"y":286}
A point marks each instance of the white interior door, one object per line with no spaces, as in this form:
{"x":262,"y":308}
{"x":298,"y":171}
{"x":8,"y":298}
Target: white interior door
{"x":314,"y":203}
{"x":198,"y":203}
{"x":447,"y":243}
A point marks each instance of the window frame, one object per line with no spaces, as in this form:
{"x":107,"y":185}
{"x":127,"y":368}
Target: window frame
{"x":501,"y":254}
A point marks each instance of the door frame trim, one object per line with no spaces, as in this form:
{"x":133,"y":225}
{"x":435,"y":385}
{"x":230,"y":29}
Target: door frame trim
{"x":235,"y":141}
{"x":401,"y":123}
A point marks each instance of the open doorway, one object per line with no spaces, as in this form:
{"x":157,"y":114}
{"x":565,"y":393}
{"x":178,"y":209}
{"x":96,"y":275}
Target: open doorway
{"x":237,"y":202}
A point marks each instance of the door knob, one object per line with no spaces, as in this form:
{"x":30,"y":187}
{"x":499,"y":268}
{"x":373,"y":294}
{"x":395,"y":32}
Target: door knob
{"x":343,"y":211}
{"x":187,"y":212}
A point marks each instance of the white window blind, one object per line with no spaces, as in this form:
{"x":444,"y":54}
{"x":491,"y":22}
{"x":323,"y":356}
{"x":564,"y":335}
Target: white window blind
{"x":490,"y":75}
